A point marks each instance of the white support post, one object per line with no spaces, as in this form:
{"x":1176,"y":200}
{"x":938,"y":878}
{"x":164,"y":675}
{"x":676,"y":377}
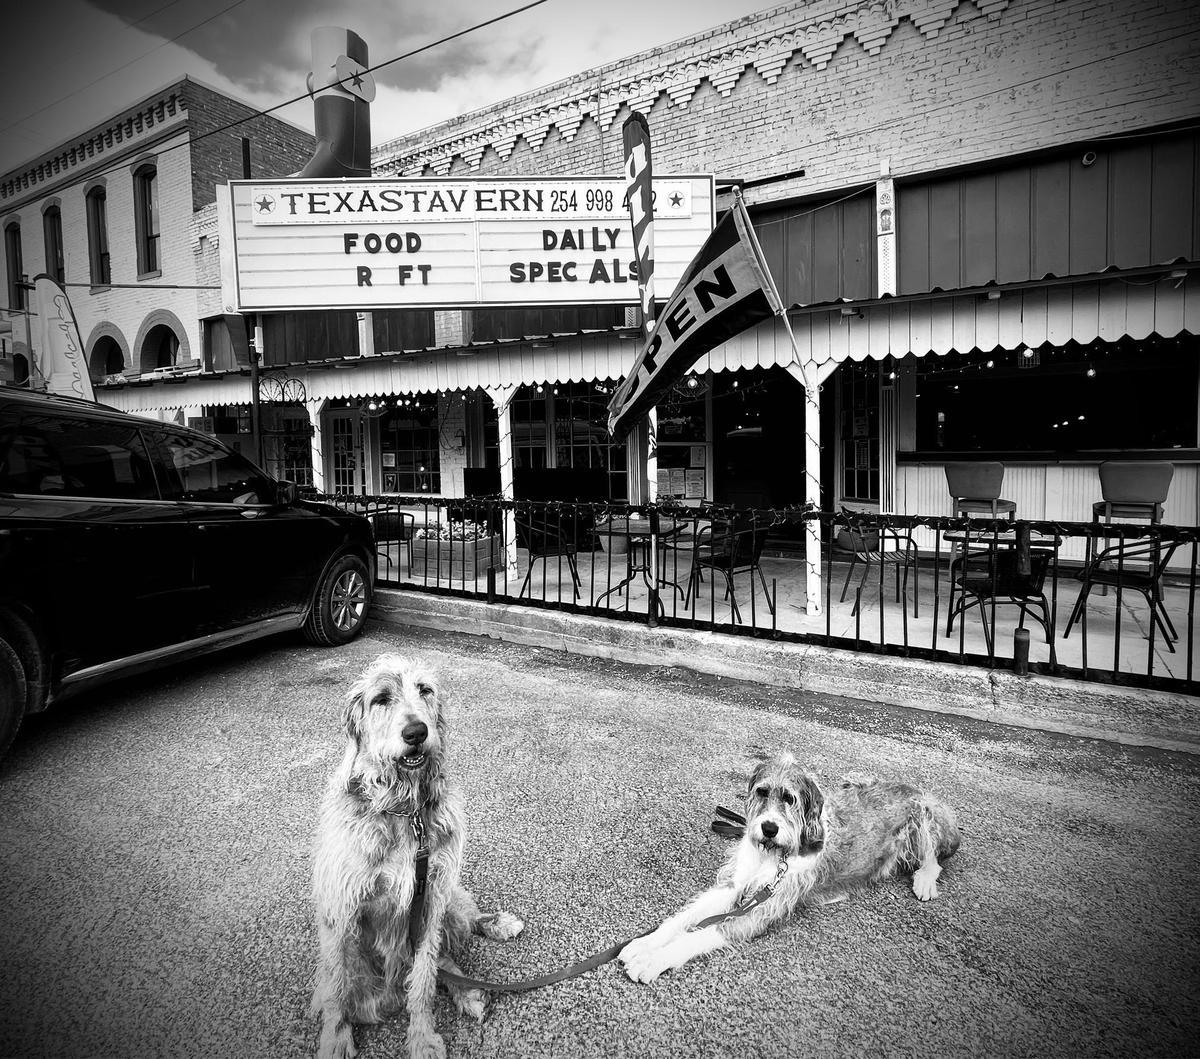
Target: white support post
{"x":315,"y":411}
{"x":810,"y":376}
{"x":502,"y":398}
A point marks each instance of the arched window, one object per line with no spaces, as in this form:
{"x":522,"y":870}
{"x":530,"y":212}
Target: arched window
{"x":52,"y":231}
{"x":12,"y":263}
{"x":145,"y":212}
{"x":97,"y":222}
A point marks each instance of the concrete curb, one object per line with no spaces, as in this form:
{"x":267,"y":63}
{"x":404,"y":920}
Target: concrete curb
{"x":1132,"y":716}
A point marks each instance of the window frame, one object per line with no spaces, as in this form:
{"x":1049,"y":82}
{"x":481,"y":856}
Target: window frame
{"x":52,"y":236}
{"x":147,"y":222}
{"x":14,"y":265}
{"x":100,"y":265}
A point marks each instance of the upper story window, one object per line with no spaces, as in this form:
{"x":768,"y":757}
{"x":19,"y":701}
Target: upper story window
{"x":52,"y":231}
{"x":97,"y":222}
{"x":145,"y":209}
{"x":12,"y":263}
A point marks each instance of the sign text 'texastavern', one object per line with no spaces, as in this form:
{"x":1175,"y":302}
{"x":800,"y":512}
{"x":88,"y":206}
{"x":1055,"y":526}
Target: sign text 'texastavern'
{"x":447,"y":243}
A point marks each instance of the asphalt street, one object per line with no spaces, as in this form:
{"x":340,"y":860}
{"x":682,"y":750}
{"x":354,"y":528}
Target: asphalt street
{"x":154,"y":878}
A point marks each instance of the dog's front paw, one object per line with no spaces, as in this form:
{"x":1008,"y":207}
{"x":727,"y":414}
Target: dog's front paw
{"x":924,"y":885}
{"x":647,"y":965}
{"x":635,"y":949}
{"x":425,"y":1043}
{"x":500,"y":926}
{"x":337,"y":1042}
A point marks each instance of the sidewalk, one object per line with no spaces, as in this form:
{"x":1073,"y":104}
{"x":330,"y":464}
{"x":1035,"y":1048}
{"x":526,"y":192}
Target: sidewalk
{"x":1131,"y":716}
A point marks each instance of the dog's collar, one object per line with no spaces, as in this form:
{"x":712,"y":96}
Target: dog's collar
{"x":417,"y":820}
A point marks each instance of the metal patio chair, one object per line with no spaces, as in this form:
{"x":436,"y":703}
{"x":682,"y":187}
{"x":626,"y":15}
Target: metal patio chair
{"x":729,"y":546}
{"x":1136,"y":565}
{"x":879,"y":546}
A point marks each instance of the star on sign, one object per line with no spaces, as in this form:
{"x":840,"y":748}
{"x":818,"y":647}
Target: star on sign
{"x":676,"y":199}
{"x":266,"y":204}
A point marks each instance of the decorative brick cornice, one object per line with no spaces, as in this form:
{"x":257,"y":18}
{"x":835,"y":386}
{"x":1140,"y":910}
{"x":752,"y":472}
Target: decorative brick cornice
{"x":112,"y":138}
{"x":802,"y":31}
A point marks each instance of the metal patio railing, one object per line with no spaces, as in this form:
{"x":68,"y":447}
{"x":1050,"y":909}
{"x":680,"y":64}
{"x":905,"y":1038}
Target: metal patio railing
{"x":1110,"y":603}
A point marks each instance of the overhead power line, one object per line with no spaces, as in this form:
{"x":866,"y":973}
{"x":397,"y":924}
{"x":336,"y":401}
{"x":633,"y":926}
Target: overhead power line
{"x":123,"y":66}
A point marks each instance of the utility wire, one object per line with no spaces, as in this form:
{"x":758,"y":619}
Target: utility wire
{"x":136,"y":58}
{"x":296,"y":99}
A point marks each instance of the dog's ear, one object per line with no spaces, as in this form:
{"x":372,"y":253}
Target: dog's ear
{"x":354,"y":709}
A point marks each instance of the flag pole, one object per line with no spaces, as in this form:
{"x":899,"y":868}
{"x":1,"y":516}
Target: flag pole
{"x":812,"y":416}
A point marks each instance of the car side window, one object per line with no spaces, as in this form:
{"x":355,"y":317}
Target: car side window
{"x":203,"y":471}
{"x":57,"y":455}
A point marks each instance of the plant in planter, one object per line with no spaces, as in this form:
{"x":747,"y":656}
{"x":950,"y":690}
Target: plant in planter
{"x":455,"y":551}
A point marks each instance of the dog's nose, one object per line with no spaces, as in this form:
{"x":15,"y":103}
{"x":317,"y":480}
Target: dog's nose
{"x":414,"y":733}
{"x":769,"y":829}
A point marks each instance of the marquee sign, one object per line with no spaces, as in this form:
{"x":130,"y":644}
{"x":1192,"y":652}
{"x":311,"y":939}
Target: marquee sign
{"x":454,"y":243}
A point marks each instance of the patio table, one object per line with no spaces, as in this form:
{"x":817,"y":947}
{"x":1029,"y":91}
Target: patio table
{"x":643,"y":539}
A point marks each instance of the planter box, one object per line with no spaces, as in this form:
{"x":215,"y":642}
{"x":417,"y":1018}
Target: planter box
{"x":457,"y":560}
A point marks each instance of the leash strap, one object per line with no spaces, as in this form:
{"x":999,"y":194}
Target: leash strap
{"x":732,"y":826}
{"x":528,"y":984}
{"x":416,"y":911}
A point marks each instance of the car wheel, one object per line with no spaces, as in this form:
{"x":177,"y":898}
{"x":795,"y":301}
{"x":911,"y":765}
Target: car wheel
{"x":12,"y":695}
{"x":340,"y":608}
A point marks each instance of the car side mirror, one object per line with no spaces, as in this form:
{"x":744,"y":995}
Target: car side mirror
{"x":286,"y":493}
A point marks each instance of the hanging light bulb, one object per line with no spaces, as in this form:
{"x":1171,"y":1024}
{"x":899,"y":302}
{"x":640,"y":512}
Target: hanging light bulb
{"x":1091,"y":372}
{"x":692,"y":382}
{"x":991,"y":363}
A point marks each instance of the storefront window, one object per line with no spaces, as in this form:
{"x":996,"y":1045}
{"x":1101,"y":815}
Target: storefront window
{"x":561,"y":426}
{"x":1126,"y":395}
{"x":858,"y":433}
{"x":409,"y":449}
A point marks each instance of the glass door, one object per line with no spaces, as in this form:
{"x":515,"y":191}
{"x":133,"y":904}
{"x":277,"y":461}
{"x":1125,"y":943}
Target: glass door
{"x":345,"y":431}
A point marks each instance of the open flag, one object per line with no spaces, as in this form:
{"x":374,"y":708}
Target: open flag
{"x":61,"y":358}
{"x":726,"y":289}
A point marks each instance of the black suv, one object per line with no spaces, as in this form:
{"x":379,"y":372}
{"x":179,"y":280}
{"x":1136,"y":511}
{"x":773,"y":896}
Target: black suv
{"x":124,"y":542}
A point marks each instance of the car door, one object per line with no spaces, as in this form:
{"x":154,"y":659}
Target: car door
{"x":104,"y":561}
{"x":256,"y":559}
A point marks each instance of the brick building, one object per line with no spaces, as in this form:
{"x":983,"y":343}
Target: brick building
{"x":116,"y":215}
{"x":984,"y":214}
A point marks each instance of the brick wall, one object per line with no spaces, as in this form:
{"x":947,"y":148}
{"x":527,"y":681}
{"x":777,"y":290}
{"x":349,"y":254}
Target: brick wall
{"x":835,"y":89}
{"x":276,"y":148}
{"x":157,"y":129}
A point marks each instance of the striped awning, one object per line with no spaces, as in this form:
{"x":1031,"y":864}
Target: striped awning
{"x":1107,"y":308}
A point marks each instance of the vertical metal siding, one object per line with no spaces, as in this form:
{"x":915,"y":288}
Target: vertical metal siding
{"x":912,"y":239}
{"x":1134,"y":205}
{"x":1088,"y":212}
{"x":1129,"y":219}
{"x":1014,"y":236}
{"x":1173,"y":176}
{"x":945,"y":218}
{"x":1050,"y":203}
{"x":978,"y":230}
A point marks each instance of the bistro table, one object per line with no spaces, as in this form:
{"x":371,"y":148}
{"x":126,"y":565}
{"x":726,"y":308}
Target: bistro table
{"x":644,"y":538}
{"x":1011,"y":584}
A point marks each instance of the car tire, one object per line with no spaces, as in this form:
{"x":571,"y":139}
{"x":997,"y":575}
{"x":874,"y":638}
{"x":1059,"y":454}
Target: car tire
{"x":12,"y":695}
{"x":339,"y":610}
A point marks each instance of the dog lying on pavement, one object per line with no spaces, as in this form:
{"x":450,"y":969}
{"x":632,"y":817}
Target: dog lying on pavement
{"x":388,"y":805}
{"x":802,"y":847}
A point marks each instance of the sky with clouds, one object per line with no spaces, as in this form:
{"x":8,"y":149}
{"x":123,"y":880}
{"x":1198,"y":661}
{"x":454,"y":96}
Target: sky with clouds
{"x":78,"y":62}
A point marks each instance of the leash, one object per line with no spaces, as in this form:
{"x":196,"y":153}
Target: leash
{"x":733,"y":825}
{"x":416,"y":910}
